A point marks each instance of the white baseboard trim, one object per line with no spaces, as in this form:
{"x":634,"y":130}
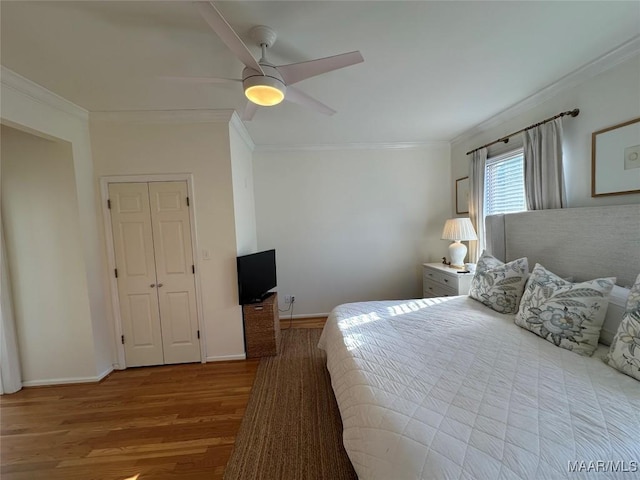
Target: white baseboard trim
{"x":284,"y":316}
{"x":106,"y":372}
{"x":226,"y":358}
{"x":65,"y":381}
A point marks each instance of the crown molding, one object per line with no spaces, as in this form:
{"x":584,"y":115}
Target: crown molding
{"x":349,"y":146}
{"x":24,"y":86}
{"x":177,"y":117}
{"x":601,"y":64}
{"x":237,"y":124}
{"x":164,"y":116}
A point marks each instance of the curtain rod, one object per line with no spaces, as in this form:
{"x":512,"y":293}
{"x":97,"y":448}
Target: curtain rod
{"x":505,"y":139}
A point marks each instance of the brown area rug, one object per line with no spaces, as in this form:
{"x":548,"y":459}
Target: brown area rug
{"x":292,"y":428}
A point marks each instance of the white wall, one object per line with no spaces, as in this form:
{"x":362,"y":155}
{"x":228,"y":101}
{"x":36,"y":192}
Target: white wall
{"x":604,"y":100}
{"x":32,"y":108}
{"x":351,"y":225}
{"x":44,"y":250}
{"x":202,"y":149}
{"x":243,"y":198}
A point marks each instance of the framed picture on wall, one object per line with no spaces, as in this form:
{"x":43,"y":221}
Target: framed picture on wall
{"x":615,"y":159}
{"x":462,"y":195}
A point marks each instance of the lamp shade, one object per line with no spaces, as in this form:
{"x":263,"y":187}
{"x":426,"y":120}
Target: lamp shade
{"x":459,"y":229}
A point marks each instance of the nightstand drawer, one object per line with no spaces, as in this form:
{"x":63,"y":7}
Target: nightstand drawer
{"x":442,"y":278}
{"x":434,"y":289}
{"x":440,"y":281}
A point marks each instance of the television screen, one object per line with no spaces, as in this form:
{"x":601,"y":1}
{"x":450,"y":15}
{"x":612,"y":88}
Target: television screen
{"x":256,"y":276}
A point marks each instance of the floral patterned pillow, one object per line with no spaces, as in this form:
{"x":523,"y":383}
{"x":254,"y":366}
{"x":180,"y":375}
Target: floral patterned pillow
{"x":499,"y":285}
{"x":624,"y":354}
{"x":570,"y":315}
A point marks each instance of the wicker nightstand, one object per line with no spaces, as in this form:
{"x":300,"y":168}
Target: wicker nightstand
{"x":262,"y":327}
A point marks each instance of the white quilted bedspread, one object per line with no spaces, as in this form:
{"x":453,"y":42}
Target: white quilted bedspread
{"x":448,"y":389}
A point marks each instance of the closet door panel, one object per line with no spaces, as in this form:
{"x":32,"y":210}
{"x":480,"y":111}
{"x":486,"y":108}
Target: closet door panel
{"x":136,"y":273}
{"x":174,"y":265}
{"x":179,"y":309}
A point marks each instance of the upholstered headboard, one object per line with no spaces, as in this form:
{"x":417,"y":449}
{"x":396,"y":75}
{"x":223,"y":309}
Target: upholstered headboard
{"x":583,"y":243}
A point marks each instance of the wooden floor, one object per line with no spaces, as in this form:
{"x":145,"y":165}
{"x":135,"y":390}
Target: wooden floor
{"x":169,"y":422}
{"x":315,"y":322}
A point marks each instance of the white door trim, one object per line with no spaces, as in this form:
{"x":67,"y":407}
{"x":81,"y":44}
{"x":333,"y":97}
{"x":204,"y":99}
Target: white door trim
{"x":111,"y":259}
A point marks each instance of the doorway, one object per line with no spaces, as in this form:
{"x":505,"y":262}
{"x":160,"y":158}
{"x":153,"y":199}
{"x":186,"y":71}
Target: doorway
{"x":154,"y":271}
{"x":45,"y":267}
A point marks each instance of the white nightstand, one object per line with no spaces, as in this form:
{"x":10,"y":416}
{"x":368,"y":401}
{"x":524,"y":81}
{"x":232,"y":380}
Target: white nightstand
{"x":438,"y":280}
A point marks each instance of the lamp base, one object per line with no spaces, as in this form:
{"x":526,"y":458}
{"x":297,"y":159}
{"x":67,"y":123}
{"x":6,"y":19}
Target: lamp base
{"x":457,"y":252}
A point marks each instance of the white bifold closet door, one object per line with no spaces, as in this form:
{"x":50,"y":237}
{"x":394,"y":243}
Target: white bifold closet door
{"x":155,"y":276}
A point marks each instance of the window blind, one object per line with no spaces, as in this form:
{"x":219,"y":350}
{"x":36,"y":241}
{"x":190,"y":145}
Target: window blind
{"x":504,"y":184}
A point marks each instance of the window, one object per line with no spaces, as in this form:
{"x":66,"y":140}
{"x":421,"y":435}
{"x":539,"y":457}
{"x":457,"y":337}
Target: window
{"x":504,"y":184}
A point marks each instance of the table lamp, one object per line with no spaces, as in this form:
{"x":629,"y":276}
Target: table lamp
{"x":458,"y":229}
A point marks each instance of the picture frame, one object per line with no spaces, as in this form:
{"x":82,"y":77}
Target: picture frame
{"x":615,"y":159}
{"x":462,"y":195}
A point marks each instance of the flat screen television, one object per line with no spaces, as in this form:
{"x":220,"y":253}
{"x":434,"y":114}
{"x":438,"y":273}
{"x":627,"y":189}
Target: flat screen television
{"x":256,"y":276}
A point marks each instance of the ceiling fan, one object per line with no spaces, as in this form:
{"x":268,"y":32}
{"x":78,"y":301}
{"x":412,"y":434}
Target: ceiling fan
{"x":264,"y":83}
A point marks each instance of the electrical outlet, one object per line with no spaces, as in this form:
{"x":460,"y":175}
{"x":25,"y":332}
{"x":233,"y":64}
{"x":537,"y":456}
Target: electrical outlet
{"x":293,"y":299}
{"x":287,"y":299}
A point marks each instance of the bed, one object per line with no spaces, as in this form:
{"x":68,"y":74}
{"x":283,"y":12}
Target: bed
{"x":448,"y":388}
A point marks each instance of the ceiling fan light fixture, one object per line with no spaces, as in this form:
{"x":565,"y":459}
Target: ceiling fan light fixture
{"x":264,"y":91}
{"x":264,"y":95}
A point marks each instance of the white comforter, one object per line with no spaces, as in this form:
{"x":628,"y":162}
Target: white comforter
{"x":448,"y":389}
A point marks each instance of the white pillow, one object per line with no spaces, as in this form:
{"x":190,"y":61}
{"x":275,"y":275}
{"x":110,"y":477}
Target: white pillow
{"x":499,"y":285}
{"x":624,"y":354}
{"x":570,"y":315}
{"x":615,"y":311}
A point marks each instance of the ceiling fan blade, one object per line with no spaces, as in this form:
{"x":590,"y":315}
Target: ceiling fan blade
{"x":298,"y":96}
{"x":201,"y":79}
{"x":230,"y":38}
{"x":249,"y":111}
{"x":296,"y":72}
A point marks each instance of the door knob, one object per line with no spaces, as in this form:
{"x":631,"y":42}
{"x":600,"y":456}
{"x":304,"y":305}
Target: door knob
{"x":152,"y":285}
{"x":159,"y":285}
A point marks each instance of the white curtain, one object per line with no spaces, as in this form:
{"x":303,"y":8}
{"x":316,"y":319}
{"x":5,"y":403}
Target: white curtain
{"x":543,"y":175}
{"x":10,"y":378}
{"x":476,"y":201}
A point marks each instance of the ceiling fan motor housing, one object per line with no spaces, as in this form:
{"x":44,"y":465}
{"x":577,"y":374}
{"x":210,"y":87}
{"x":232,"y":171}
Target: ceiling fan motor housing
{"x":266,"y":90}
{"x":263,"y":35}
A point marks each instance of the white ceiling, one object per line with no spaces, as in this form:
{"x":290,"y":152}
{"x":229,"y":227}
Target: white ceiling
{"x":432,"y":69}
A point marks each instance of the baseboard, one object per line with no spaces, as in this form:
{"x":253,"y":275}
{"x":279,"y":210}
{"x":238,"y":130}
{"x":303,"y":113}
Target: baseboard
{"x":226,"y":358}
{"x":104,"y":374}
{"x":66,"y":381}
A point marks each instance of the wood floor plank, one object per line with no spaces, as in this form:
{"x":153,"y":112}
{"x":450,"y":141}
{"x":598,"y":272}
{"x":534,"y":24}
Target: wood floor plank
{"x":162,"y":423}
{"x":155,"y":422}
